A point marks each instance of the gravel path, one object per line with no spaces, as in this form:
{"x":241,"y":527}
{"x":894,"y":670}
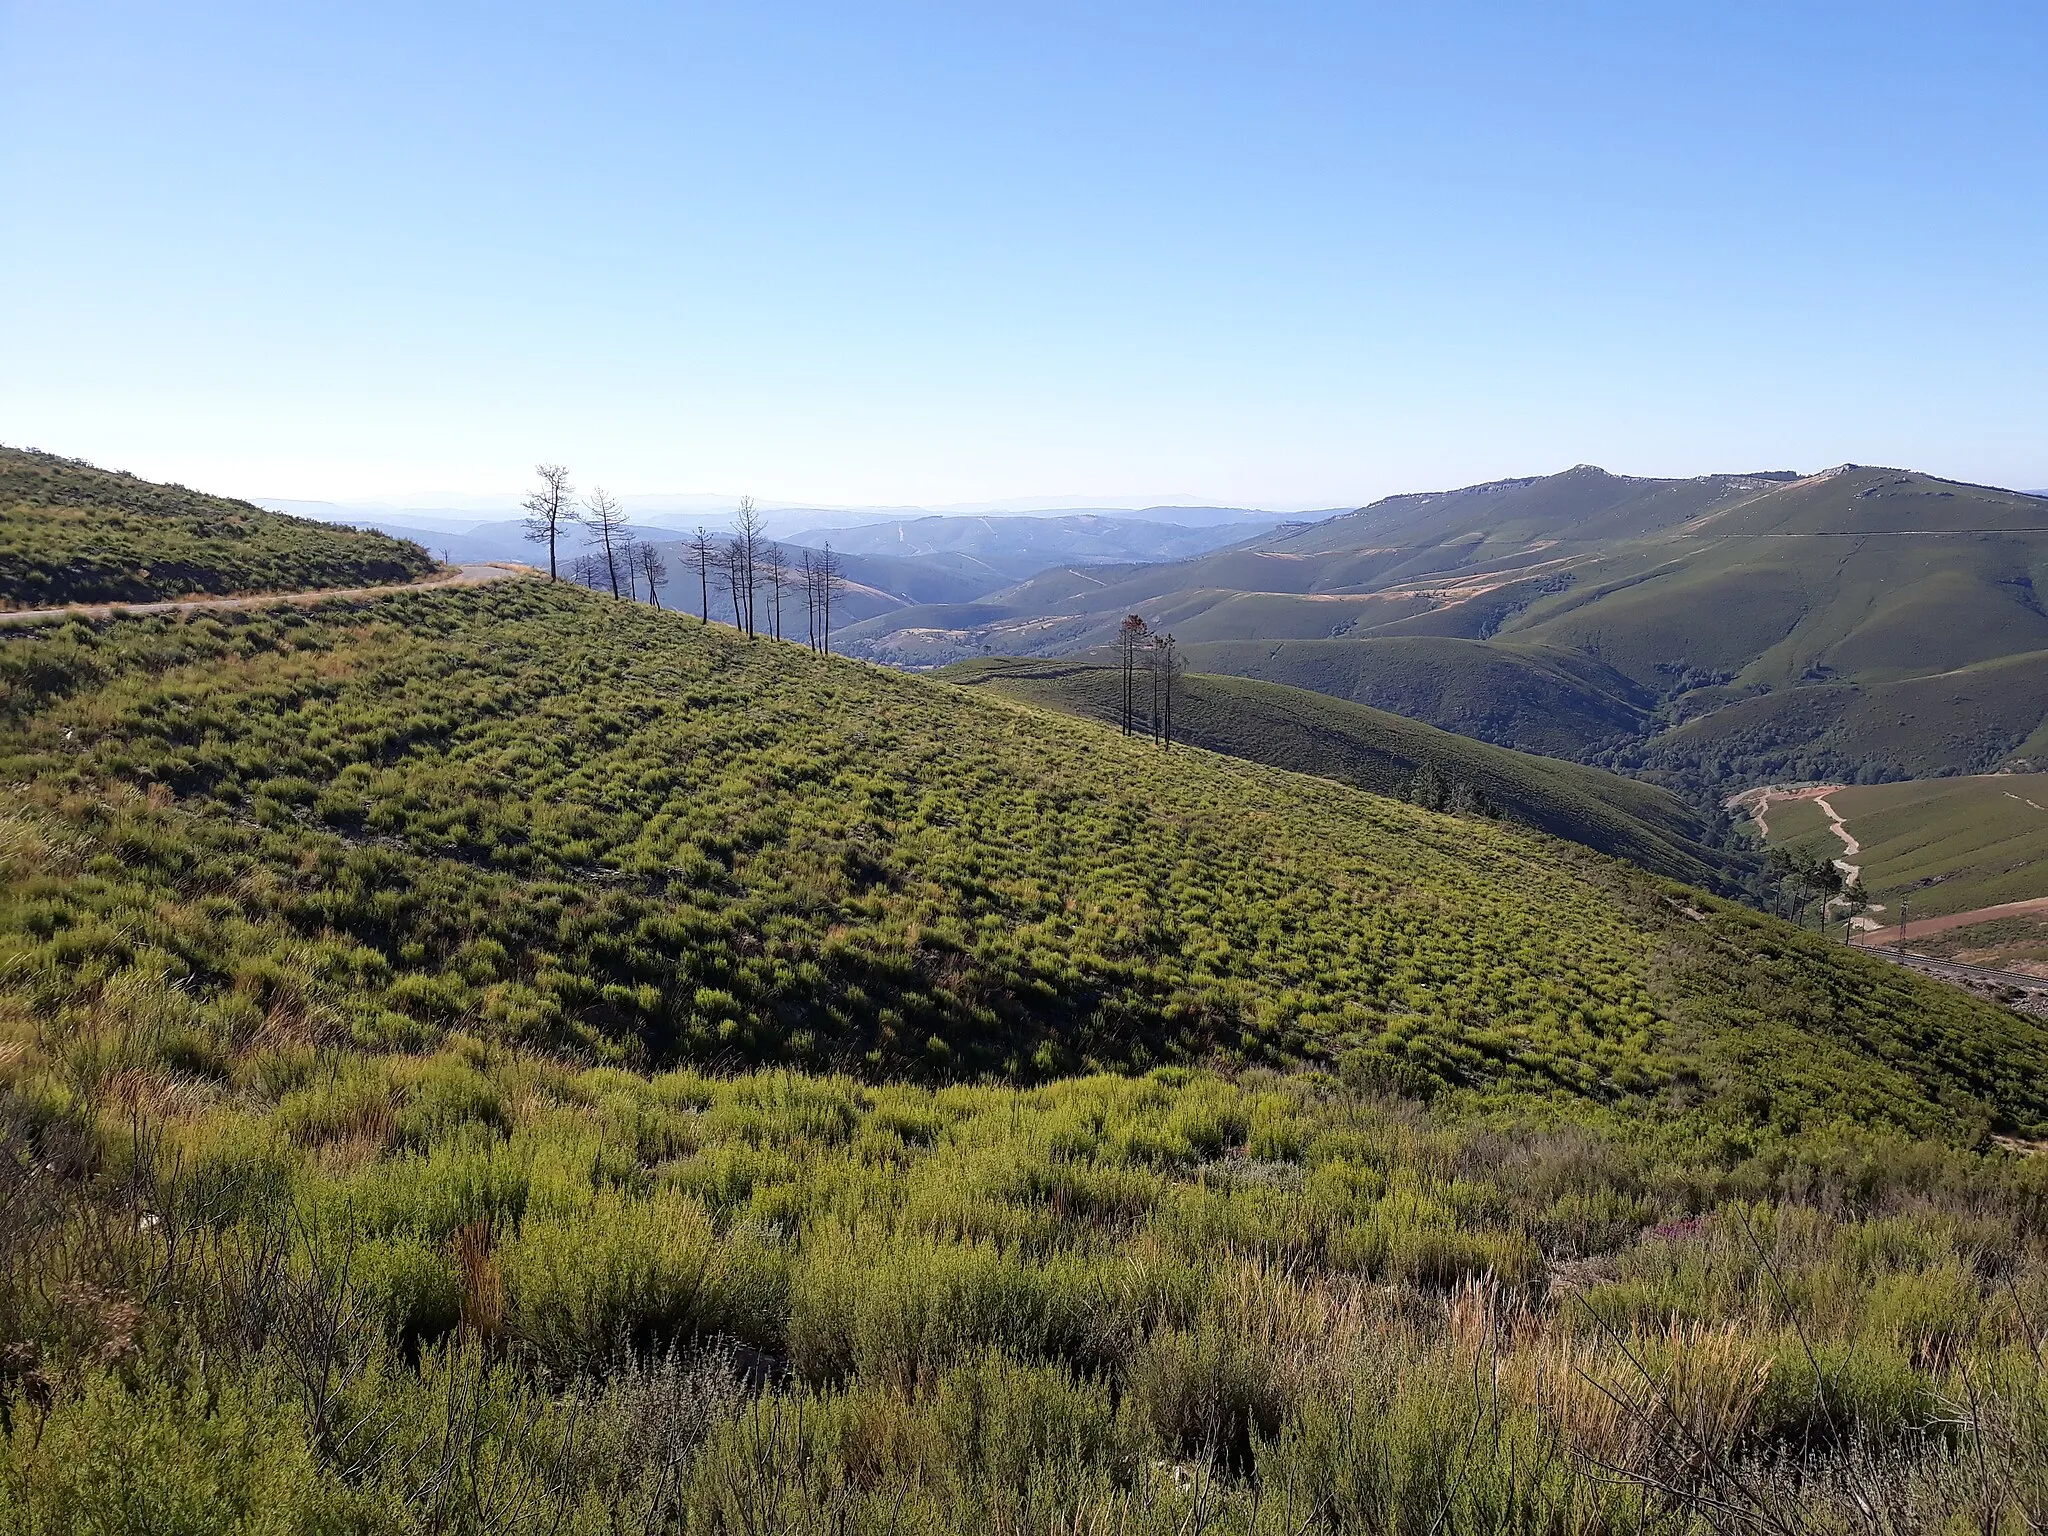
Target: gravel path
{"x":461,"y":576}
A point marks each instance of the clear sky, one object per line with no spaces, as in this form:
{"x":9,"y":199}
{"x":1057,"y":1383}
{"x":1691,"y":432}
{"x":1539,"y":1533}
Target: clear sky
{"x":1276,"y":254}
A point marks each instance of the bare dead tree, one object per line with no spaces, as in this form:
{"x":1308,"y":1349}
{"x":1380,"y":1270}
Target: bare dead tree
{"x":775,"y":572}
{"x":830,"y":579}
{"x":586,"y":570}
{"x":732,"y":560}
{"x":1152,"y":650}
{"x":549,"y":509}
{"x":1131,"y":636}
{"x":807,"y":572}
{"x":605,"y":525}
{"x":748,"y":535}
{"x":653,"y":569}
{"x":701,"y":555}
{"x":1163,"y":660}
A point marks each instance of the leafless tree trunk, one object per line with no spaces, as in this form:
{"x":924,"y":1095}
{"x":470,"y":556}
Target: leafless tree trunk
{"x":548,"y":508}
{"x":701,"y":554}
{"x":747,"y":538}
{"x":1152,"y":672}
{"x":734,"y":561}
{"x":607,"y":528}
{"x":1172,"y":667}
{"x":829,"y":580}
{"x":653,"y":567}
{"x":775,"y":567}
{"x":1130,"y":635}
{"x":807,"y":568}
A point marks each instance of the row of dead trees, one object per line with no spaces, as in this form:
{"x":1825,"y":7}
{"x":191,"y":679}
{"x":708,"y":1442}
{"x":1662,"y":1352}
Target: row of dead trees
{"x":752,"y":572}
{"x":1150,"y":663}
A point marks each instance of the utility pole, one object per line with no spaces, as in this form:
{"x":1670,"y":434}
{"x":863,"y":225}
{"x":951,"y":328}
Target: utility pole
{"x":1904,"y":903}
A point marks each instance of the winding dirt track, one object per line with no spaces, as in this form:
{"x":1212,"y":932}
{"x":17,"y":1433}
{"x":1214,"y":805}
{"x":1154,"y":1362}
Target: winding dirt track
{"x":1849,"y":844}
{"x":474,"y":575}
{"x":1759,"y":801}
{"x":1874,"y":933}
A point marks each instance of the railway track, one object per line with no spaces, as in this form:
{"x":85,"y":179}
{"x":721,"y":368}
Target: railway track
{"x":1974,"y":976}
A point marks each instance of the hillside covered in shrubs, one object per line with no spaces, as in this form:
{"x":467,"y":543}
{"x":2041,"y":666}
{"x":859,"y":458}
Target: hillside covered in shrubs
{"x":577,"y":824}
{"x":1391,"y":755}
{"x":70,"y":533}
{"x":511,"y":1060}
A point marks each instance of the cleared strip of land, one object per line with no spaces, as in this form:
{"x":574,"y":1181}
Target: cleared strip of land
{"x":1927,"y":927}
{"x":474,"y":575}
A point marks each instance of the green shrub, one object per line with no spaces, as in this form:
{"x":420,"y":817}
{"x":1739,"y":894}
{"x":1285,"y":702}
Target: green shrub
{"x":412,"y":1286}
{"x":904,"y":1313}
{"x":1012,"y":1424}
{"x":1209,"y":1393}
{"x":171,"y":1463}
{"x":461,"y":1182}
{"x":640,"y":1274}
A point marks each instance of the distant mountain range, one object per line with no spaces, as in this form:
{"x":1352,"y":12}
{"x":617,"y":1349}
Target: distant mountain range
{"x":1714,"y":631}
{"x":1727,"y":628}
{"x":1012,"y":548}
{"x":466,"y":514}
{"x":939,"y":558}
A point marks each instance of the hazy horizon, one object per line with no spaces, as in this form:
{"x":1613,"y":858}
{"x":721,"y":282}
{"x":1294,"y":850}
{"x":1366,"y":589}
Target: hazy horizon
{"x":481,"y":507}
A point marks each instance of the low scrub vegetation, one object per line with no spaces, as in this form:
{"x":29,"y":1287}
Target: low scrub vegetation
{"x":70,"y":533}
{"x":477,"y":1289}
{"x":512,"y":1061}
{"x":1334,"y":738}
{"x":574,"y":824}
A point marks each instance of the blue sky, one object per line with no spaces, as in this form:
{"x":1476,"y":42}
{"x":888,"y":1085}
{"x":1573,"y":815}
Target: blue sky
{"x":1285,"y":255}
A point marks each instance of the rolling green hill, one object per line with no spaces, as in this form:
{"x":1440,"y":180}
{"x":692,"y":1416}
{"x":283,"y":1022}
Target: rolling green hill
{"x":578,"y":824}
{"x":1710,"y":632}
{"x":1974,"y":718}
{"x":1584,"y":505}
{"x":70,"y":533}
{"x":505,"y":1059}
{"x":1312,"y":733}
{"x":1534,"y":698}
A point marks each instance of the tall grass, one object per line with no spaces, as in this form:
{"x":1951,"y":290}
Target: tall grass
{"x":578,"y":1299}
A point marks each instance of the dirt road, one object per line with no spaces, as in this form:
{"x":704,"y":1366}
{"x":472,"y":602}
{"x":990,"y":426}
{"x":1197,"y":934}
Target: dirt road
{"x":1921,"y":928}
{"x":1758,"y":803}
{"x":461,"y":576}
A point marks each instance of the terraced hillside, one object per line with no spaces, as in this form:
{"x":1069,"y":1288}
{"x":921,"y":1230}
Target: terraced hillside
{"x":70,"y":533}
{"x":510,"y":1060}
{"x":1388,"y":754}
{"x":1713,"y":632}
